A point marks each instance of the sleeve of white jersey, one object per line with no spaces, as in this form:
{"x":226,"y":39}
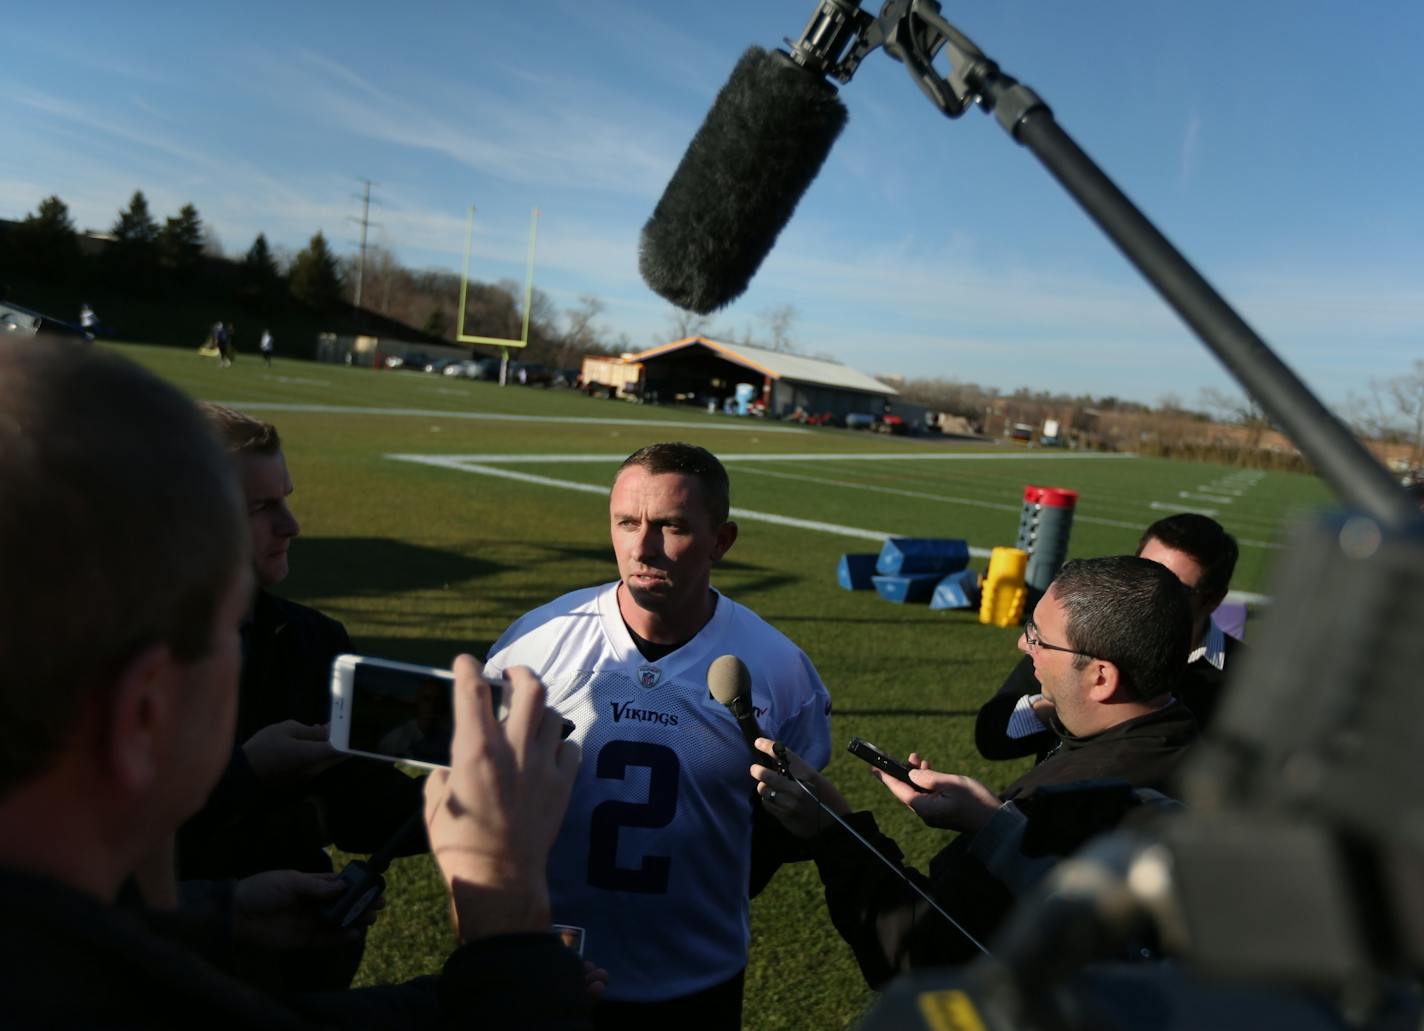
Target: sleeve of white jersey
{"x":807,"y":731}
{"x":497,"y":661}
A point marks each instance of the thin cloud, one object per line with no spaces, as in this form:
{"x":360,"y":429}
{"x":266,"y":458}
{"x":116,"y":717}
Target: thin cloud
{"x":567,"y":140}
{"x":1187,"y":167}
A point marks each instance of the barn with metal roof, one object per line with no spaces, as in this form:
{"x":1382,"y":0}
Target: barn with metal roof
{"x":697,"y":370}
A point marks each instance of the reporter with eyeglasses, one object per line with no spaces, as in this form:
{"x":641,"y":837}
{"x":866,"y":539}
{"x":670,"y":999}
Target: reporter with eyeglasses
{"x":1106,"y":642}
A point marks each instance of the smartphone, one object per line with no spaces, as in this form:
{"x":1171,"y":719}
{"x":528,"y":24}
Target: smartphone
{"x":398,"y":711}
{"x":865,"y":750}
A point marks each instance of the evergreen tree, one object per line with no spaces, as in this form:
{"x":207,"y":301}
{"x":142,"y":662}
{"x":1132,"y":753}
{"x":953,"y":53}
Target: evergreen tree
{"x":314,"y":278}
{"x":180,"y":243}
{"x":133,"y":256}
{"x":258,"y":276}
{"x":45,"y":243}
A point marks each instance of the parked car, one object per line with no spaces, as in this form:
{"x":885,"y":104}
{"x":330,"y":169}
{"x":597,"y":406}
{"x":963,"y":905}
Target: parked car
{"x":530,"y":374}
{"x":414,"y":361}
{"x":478,"y":368}
{"x":439,"y":365}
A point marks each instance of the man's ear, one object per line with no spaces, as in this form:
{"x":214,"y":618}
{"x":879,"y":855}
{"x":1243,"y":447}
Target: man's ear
{"x":726,"y":537}
{"x":1105,"y":680}
{"x":140,"y":715}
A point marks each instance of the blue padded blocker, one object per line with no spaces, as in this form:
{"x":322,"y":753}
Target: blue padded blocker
{"x":957,"y":591}
{"x":906,"y":555}
{"x":912,"y":588}
{"x":854,"y":572}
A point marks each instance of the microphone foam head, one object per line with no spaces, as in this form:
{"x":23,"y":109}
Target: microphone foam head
{"x":728,"y":679}
{"x":763,"y":141}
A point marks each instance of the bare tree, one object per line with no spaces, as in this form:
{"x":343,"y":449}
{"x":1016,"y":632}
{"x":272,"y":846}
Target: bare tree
{"x":1394,"y":411}
{"x":1238,"y":409}
{"x":582,"y":335}
{"x":684,"y":324}
{"x":779,"y":321}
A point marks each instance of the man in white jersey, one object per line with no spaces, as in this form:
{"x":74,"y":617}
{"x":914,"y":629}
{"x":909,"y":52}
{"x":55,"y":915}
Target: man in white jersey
{"x":656,"y":854}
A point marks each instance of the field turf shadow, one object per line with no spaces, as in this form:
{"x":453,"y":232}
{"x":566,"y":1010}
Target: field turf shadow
{"x":327,"y":567}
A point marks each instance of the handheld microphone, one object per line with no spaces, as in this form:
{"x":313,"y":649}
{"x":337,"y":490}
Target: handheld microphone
{"x":730,"y":682}
{"x":763,"y":142}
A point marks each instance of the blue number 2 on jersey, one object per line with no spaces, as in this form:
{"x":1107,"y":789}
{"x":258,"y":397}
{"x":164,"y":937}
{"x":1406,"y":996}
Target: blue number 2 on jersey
{"x":651,"y":876}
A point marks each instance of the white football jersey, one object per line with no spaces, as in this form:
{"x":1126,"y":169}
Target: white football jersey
{"x":654,"y":855}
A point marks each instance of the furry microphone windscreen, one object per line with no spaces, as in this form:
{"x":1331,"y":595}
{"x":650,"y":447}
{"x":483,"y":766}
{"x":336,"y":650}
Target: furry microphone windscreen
{"x":763,"y":142}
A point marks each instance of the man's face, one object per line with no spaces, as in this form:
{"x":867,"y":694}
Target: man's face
{"x":664,"y":538}
{"x":266,"y":485}
{"x":1189,"y":571}
{"x":1060,"y":683}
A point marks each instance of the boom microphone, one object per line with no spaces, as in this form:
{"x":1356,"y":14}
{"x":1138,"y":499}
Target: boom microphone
{"x":764,"y":140}
{"x":730,"y":682}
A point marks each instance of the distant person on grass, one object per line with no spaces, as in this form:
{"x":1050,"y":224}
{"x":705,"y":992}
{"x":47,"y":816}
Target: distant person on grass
{"x":1105,"y":643}
{"x":117,"y":708}
{"x":664,"y":836}
{"x":286,"y":794}
{"x":1202,"y":555}
{"x":88,"y":321}
{"x":265,"y":346}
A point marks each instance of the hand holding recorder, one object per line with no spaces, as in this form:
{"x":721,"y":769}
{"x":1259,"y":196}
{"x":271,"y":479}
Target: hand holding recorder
{"x":944,"y":800}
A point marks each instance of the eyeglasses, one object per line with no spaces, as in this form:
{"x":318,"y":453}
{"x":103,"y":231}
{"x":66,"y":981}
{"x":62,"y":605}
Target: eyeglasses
{"x":1035,"y":642}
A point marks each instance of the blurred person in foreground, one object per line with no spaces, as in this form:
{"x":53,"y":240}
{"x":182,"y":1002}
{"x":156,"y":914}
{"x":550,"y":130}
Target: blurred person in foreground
{"x":1015,"y":722}
{"x":1106,"y":643}
{"x":124,"y":548}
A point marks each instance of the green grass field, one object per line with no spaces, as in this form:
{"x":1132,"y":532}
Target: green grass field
{"x":423,"y":561}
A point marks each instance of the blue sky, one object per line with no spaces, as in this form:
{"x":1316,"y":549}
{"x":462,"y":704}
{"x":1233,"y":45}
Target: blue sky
{"x":1277,"y":144}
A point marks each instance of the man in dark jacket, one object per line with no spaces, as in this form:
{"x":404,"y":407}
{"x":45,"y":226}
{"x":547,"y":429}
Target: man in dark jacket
{"x":120,"y":645}
{"x":1106,"y":642}
{"x":1014,"y":722}
{"x":286,"y":794}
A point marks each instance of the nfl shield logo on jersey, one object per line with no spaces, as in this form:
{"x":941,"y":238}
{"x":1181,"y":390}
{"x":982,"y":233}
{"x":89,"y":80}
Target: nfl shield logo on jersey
{"x":648,"y":676}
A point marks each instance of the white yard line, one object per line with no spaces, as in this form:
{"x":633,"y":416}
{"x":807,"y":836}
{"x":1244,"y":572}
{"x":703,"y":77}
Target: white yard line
{"x":452,"y":462}
{"x":482,"y":463}
{"x":1168,"y":506}
{"x":463,"y":464}
{"x":848,"y":456}
{"x":1215,"y":499}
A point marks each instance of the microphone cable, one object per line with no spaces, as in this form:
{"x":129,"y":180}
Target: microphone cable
{"x":780,"y":749}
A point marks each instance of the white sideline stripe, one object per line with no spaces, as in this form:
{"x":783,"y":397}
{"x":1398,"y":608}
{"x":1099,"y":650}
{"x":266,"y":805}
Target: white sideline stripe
{"x":436,"y":413}
{"x":444,"y":462}
{"x":482,"y":462}
{"x":1248,"y":598}
{"x":996,"y":506}
{"x":1216,"y":498}
{"x":849,"y":456}
{"x":1162,"y":506}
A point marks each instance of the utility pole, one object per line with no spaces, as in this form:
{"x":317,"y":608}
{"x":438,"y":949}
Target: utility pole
{"x":364,"y":221}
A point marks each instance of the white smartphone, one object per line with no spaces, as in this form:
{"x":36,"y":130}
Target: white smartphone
{"x":398,"y":711}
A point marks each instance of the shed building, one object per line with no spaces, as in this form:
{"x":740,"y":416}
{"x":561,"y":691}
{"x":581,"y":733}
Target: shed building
{"x":697,"y":370}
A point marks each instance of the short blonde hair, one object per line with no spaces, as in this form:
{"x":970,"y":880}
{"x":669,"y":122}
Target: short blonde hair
{"x":242,"y":434}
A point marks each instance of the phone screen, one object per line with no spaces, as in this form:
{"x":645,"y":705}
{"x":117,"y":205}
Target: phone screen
{"x":401,"y":713}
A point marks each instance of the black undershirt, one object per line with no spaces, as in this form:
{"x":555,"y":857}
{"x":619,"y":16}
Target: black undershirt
{"x":652,"y":650}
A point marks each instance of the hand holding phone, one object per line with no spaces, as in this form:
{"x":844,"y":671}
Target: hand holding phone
{"x":883,"y":762}
{"x":400,"y":712}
